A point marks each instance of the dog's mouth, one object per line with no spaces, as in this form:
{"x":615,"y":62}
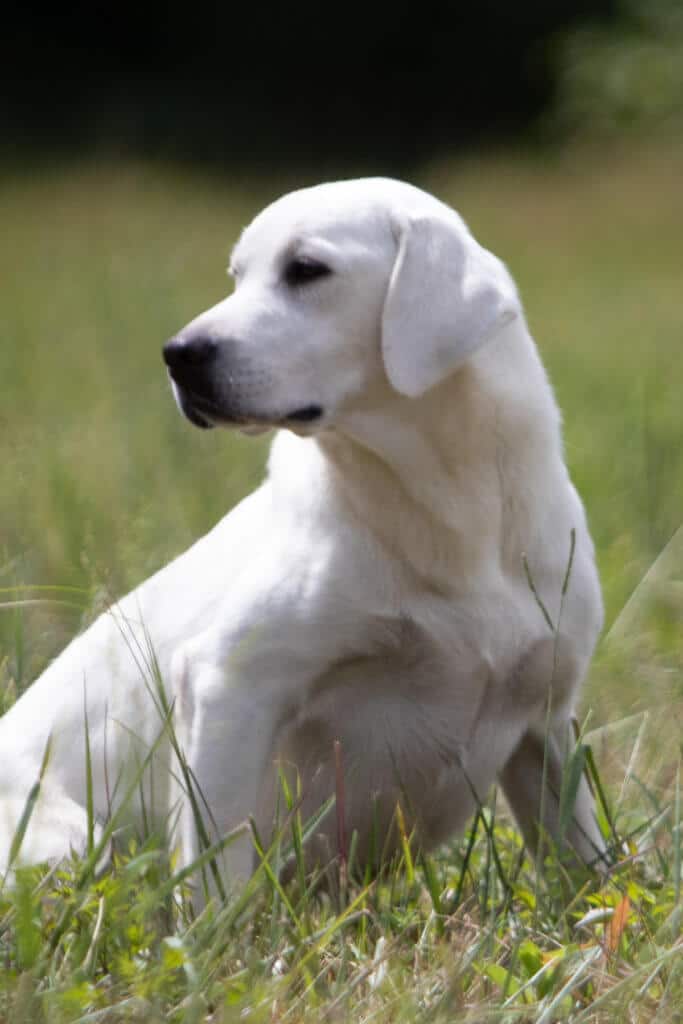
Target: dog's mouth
{"x":303,"y":421}
{"x":206,"y":415}
{"x":190,"y":409}
{"x":306,"y":414}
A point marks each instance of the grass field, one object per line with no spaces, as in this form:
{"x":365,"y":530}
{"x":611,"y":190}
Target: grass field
{"x":102,"y":481}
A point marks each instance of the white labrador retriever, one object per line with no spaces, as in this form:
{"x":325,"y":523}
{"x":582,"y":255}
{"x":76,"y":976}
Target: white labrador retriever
{"x":373,"y":590}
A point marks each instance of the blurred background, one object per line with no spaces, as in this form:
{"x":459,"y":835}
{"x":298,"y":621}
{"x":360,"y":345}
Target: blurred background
{"x":137,"y":139}
{"x":357,"y":84}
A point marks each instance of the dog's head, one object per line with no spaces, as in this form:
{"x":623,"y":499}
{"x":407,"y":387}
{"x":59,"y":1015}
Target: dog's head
{"x":342,"y":291}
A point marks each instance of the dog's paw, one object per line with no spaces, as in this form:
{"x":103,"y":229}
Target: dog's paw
{"x":42,"y":832}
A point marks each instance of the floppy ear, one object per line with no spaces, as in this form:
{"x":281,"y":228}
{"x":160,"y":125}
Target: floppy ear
{"x":447,"y":296}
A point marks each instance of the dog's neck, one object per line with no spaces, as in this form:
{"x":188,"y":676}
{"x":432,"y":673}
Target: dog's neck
{"x":404,"y":458}
{"x":414,"y":466}
{"x":441,"y":467}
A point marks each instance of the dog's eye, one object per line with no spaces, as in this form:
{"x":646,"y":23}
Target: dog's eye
{"x":301,"y":271}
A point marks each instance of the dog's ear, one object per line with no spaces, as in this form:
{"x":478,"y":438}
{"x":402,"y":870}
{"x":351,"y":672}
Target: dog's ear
{"x":447,"y":296}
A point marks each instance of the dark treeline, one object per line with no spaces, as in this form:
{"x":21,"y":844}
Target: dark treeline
{"x":275,"y":82}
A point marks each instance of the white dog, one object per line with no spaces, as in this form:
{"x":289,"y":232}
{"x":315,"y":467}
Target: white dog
{"x":375,"y":590}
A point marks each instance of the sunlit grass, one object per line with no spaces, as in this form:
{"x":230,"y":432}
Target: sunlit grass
{"x":471,"y":935}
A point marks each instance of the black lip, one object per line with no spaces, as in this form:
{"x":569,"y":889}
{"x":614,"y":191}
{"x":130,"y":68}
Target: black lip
{"x":198,"y":420}
{"x":192,"y":413}
{"x":193,"y":406}
{"x":307,"y":414}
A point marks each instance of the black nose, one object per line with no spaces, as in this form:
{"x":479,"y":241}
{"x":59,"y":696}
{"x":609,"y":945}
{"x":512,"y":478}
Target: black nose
{"x":185,"y":352}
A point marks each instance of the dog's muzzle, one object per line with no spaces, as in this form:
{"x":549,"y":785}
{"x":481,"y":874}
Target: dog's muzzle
{"x":191,"y":364}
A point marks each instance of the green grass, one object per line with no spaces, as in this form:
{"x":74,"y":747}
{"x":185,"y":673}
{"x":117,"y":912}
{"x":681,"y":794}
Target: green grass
{"x":102,"y":482}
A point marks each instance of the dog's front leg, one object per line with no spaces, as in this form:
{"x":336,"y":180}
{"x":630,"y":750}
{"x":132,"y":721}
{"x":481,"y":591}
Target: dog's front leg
{"x":224,"y":730}
{"x":233,"y":685}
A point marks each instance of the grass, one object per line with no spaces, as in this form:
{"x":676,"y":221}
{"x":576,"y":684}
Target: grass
{"x":102,"y":482}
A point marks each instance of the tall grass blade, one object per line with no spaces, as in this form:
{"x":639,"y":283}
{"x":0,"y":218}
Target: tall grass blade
{"x":595,"y":782}
{"x":29,"y":806}
{"x":405,"y":845}
{"x":89,"y":798}
{"x":432,"y":882}
{"x":571,"y":780}
{"x":471,"y":839}
{"x":537,"y":596}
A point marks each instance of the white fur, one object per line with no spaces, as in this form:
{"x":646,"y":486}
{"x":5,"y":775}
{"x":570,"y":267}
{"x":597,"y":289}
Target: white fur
{"x":373,"y":589}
